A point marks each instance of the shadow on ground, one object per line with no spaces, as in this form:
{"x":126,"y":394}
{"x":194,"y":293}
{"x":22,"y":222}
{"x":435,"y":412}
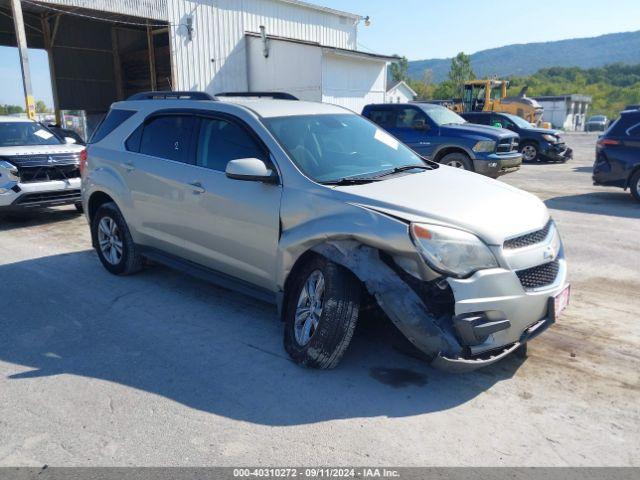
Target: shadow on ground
{"x":618,"y":204}
{"x":207,"y":348}
{"x":36,"y":218}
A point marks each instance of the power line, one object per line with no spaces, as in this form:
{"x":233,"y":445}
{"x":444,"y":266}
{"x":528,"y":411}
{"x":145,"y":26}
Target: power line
{"x":100,"y":19}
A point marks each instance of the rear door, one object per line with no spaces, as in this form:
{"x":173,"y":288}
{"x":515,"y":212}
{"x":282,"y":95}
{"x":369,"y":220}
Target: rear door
{"x":232,"y":226}
{"x":155,"y":172}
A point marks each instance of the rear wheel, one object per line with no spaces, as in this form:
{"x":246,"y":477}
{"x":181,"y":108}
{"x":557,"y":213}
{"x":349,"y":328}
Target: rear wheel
{"x":321,"y":313}
{"x":634,"y":185}
{"x":457,"y":160}
{"x":529,"y":152}
{"x":114,"y":245}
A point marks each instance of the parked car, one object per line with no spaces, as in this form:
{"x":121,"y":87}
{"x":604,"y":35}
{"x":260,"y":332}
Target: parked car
{"x":535,"y":143}
{"x":316,"y":209}
{"x":437,"y":133}
{"x":618,"y":154}
{"x":37,"y":168}
{"x":633,"y":107}
{"x":596,"y":123}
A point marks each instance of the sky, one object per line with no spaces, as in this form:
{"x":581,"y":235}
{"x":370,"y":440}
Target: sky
{"x":420,"y":29}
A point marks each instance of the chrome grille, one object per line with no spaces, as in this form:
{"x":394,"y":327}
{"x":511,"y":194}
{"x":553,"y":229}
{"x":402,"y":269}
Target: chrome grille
{"x":44,"y":160}
{"x":539,"y":276}
{"x":507,"y":145}
{"x":528,"y":239}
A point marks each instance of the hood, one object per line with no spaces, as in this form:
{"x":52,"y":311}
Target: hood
{"x":449,"y":196}
{"x":40,"y":149}
{"x":475,"y":129}
{"x":545,"y":131}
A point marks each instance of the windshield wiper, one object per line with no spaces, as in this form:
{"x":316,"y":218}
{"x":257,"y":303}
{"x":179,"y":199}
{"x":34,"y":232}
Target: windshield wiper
{"x":351,"y":181}
{"x":402,"y":169}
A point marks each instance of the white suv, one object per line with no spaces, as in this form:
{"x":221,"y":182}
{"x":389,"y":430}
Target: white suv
{"x":37,"y":168}
{"x":318,"y":210}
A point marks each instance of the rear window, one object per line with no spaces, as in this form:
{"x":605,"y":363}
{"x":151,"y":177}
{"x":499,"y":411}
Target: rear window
{"x":112,"y":121}
{"x":623,"y":123}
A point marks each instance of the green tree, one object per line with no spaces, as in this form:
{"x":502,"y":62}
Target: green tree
{"x":41,"y":107}
{"x":10,"y":109}
{"x":460,"y":72}
{"x":399,"y":69}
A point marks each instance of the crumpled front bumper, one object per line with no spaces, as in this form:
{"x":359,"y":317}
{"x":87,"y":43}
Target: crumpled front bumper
{"x":557,"y":153}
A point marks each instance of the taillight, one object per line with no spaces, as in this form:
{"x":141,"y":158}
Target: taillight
{"x":607,"y":142}
{"x":83,"y":161}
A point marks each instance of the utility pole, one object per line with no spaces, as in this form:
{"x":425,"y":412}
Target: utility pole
{"x":21,"y":39}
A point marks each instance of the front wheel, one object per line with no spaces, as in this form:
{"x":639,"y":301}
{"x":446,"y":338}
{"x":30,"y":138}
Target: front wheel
{"x":321,"y":313}
{"x":457,"y":160}
{"x":113,"y":242}
{"x":634,"y":185}
{"x":529,"y":152}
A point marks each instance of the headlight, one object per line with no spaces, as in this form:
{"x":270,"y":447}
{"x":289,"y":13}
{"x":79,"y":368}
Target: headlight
{"x":451,"y":251}
{"x":550,"y":138}
{"x":484,"y":146}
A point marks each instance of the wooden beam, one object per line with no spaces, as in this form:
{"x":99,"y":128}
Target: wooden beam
{"x":21,"y":39}
{"x":117,"y":67}
{"x":152,"y":59}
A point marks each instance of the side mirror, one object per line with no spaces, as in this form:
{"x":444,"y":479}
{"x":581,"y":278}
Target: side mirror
{"x":69,"y":140}
{"x":251,"y":170}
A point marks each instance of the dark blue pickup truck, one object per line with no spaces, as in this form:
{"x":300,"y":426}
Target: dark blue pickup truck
{"x":535,"y":143}
{"x":437,"y":133}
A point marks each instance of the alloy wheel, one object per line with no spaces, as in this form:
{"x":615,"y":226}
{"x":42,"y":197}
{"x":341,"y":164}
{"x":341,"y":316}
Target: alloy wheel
{"x":456,"y":164}
{"x":110,"y":240}
{"x":309,"y":308}
{"x":529,"y":153}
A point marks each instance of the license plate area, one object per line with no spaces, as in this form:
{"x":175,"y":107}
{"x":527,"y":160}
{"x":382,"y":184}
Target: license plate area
{"x":560,"y":302}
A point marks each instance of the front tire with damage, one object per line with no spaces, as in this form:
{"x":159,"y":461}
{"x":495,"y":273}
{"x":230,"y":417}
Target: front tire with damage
{"x":321,"y":313}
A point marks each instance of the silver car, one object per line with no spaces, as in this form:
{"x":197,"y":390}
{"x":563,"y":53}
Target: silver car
{"x":319,"y":211}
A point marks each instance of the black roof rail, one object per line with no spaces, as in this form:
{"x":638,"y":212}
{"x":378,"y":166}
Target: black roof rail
{"x":273,"y":95}
{"x":169,"y":95}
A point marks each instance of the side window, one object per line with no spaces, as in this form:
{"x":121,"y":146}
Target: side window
{"x":634,"y":131}
{"x":168,"y":137}
{"x":383,"y":117}
{"x":409,"y":118}
{"x":221,"y":141}
{"x":133,"y":142}
{"x":109,"y":123}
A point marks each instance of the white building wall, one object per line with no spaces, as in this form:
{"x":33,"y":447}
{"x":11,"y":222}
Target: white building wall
{"x":215,"y":59}
{"x":399,"y":94}
{"x":290,"y":67}
{"x":352,"y":82}
{"x":144,"y":9}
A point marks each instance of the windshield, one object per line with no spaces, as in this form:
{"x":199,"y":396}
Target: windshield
{"x":328,"y":148}
{"x":15,"y":134}
{"x":519,"y":121}
{"x":443,"y":116}
{"x":597,"y":118}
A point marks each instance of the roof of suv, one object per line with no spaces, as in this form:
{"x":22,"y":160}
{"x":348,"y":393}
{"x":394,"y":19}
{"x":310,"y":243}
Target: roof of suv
{"x":262,"y":107}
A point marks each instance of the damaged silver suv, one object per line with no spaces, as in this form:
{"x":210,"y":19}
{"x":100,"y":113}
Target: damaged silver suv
{"x":318,"y":210}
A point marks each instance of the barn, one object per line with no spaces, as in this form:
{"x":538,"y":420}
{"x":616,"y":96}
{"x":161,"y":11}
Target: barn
{"x":101,"y":51}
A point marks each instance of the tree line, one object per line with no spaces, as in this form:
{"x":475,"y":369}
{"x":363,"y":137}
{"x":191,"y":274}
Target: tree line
{"x":7,"y":109}
{"x":611,"y":87}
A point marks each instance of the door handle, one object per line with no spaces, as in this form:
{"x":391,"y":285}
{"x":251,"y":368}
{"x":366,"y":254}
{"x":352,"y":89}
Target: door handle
{"x":129,"y":166}
{"x":197,"y":188}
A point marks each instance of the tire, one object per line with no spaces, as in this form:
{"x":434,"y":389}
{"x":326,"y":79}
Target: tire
{"x":529,"y":152}
{"x":339,"y":305}
{"x":79,"y":207}
{"x":129,"y":260}
{"x":634,"y":185}
{"x":457,"y":160}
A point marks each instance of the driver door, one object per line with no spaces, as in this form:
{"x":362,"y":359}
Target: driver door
{"x":413,"y":128}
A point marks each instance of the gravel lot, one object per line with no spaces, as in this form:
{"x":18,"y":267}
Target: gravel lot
{"x":163,"y":369}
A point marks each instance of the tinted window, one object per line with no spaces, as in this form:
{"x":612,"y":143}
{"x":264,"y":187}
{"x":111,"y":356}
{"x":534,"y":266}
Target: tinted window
{"x":168,"y":137}
{"x":409,"y":117}
{"x":480,"y":119}
{"x":133,"y":142}
{"x":383,"y":117}
{"x":113,"y":120}
{"x":222,"y":141}
{"x":634,"y":131}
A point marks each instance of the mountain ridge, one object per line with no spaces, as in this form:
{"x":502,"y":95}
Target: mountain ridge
{"x":527,"y":58}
